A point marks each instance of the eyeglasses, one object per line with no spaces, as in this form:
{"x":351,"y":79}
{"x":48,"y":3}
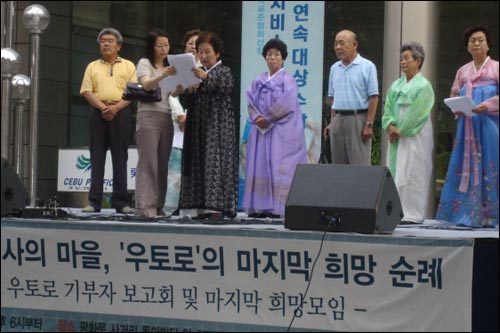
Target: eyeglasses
{"x":474,"y":40}
{"x":162,"y":46}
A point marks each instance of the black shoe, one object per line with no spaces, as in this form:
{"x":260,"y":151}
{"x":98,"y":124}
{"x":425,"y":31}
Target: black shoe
{"x":230,"y":215}
{"x":259,"y":215}
{"x":264,"y":215}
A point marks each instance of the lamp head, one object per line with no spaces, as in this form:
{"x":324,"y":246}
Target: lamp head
{"x":11,"y":60}
{"x":21,"y":87}
{"x":36,"y":18}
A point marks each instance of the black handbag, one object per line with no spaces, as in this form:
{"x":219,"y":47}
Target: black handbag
{"x":136,"y":92}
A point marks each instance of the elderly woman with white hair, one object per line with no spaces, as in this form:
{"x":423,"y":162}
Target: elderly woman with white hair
{"x":407,"y":121}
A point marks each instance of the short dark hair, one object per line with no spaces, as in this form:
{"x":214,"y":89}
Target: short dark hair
{"x":469,"y":31}
{"x":211,"y":38}
{"x":275,"y":44}
{"x":150,"y":45}
{"x":188,"y":35}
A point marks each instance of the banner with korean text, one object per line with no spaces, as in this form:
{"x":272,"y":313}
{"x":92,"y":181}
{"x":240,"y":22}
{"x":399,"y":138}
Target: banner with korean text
{"x":73,"y":274}
{"x":300,"y":25}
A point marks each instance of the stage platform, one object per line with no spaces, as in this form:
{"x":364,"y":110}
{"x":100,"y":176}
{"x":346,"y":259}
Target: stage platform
{"x":112,"y":272}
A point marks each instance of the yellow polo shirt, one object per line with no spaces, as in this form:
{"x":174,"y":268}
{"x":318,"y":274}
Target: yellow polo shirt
{"x":108,"y":81}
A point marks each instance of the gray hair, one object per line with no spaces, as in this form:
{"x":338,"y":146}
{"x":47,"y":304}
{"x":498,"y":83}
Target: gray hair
{"x":417,"y":49}
{"x":110,"y":31}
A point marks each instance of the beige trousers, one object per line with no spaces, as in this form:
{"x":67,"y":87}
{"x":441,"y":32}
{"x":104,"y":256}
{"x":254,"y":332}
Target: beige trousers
{"x":154,"y":136}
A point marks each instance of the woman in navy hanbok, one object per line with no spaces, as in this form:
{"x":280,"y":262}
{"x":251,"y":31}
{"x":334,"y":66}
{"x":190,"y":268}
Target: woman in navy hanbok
{"x":210,"y":154}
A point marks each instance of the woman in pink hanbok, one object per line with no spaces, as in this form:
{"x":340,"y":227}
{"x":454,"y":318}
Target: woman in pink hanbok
{"x":276,"y":142}
{"x":470,"y":193}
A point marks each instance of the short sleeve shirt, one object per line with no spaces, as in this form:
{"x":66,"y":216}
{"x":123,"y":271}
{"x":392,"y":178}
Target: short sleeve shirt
{"x":108,"y":81}
{"x":351,"y":86}
{"x":144,"y":68}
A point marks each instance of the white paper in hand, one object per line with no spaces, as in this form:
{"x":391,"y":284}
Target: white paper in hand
{"x":264,"y":130}
{"x":183,"y":63}
{"x":461,"y":104}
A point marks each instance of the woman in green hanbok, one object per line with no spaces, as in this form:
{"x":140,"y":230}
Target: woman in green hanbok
{"x":407,"y":121}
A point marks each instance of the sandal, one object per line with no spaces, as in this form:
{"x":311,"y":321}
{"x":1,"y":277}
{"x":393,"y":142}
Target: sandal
{"x":215,"y":216}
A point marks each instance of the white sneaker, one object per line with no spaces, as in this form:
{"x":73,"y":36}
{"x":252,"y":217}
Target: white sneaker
{"x":125,"y":210}
{"x":90,"y":209}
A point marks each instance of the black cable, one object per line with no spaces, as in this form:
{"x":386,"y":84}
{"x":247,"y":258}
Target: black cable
{"x":71,"y":214}
{"x":99,"y":217}
{"x":311,"y":277}
{"x":11,"y":214}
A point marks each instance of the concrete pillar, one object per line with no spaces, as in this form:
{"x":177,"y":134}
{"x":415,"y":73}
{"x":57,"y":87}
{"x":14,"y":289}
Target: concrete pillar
{"x":410,"y":21}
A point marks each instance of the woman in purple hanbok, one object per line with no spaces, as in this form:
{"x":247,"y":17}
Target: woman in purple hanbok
{"x":470,"y":193}
{"x":276,"y":143}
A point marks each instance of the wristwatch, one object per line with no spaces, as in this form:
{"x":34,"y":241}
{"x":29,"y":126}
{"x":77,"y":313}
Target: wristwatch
{"x":369,"y":124}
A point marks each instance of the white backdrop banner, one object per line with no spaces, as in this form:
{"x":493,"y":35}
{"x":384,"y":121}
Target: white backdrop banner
{"x":359,"y":283}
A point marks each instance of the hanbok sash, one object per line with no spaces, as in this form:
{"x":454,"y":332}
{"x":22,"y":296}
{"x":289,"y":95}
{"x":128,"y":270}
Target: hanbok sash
{"x":470,"y":145}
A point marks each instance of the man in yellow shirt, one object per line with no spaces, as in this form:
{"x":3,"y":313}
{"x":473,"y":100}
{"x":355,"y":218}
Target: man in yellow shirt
{"x":110,"y":124}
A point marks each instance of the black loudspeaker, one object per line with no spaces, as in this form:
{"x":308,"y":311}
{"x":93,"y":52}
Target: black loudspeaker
{"x":13,"y":192}
{"x":343,"y":198}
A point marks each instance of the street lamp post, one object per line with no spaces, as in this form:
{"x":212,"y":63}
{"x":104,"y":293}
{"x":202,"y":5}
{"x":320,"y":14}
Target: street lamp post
{"x":35,"y":18}
{"x":10,"y":65}
{"x":20,"y":94}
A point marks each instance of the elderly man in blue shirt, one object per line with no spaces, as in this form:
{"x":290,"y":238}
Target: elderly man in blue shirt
{"x":353,"y":92}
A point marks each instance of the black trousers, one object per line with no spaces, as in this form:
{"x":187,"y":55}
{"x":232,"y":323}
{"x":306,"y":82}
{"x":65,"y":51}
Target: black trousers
{"x":116,"y":136}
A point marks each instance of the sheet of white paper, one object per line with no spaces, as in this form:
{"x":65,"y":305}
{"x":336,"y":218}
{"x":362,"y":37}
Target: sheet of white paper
{"x":177,"y":109}
{"x":265,"y":130}
{"x":461,"y":104}
{"x":178,"y":137}
{"x":183,"y":63}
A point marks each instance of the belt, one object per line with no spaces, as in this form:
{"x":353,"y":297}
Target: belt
{"x":350,"y":112}
{"x":110,"y":102}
